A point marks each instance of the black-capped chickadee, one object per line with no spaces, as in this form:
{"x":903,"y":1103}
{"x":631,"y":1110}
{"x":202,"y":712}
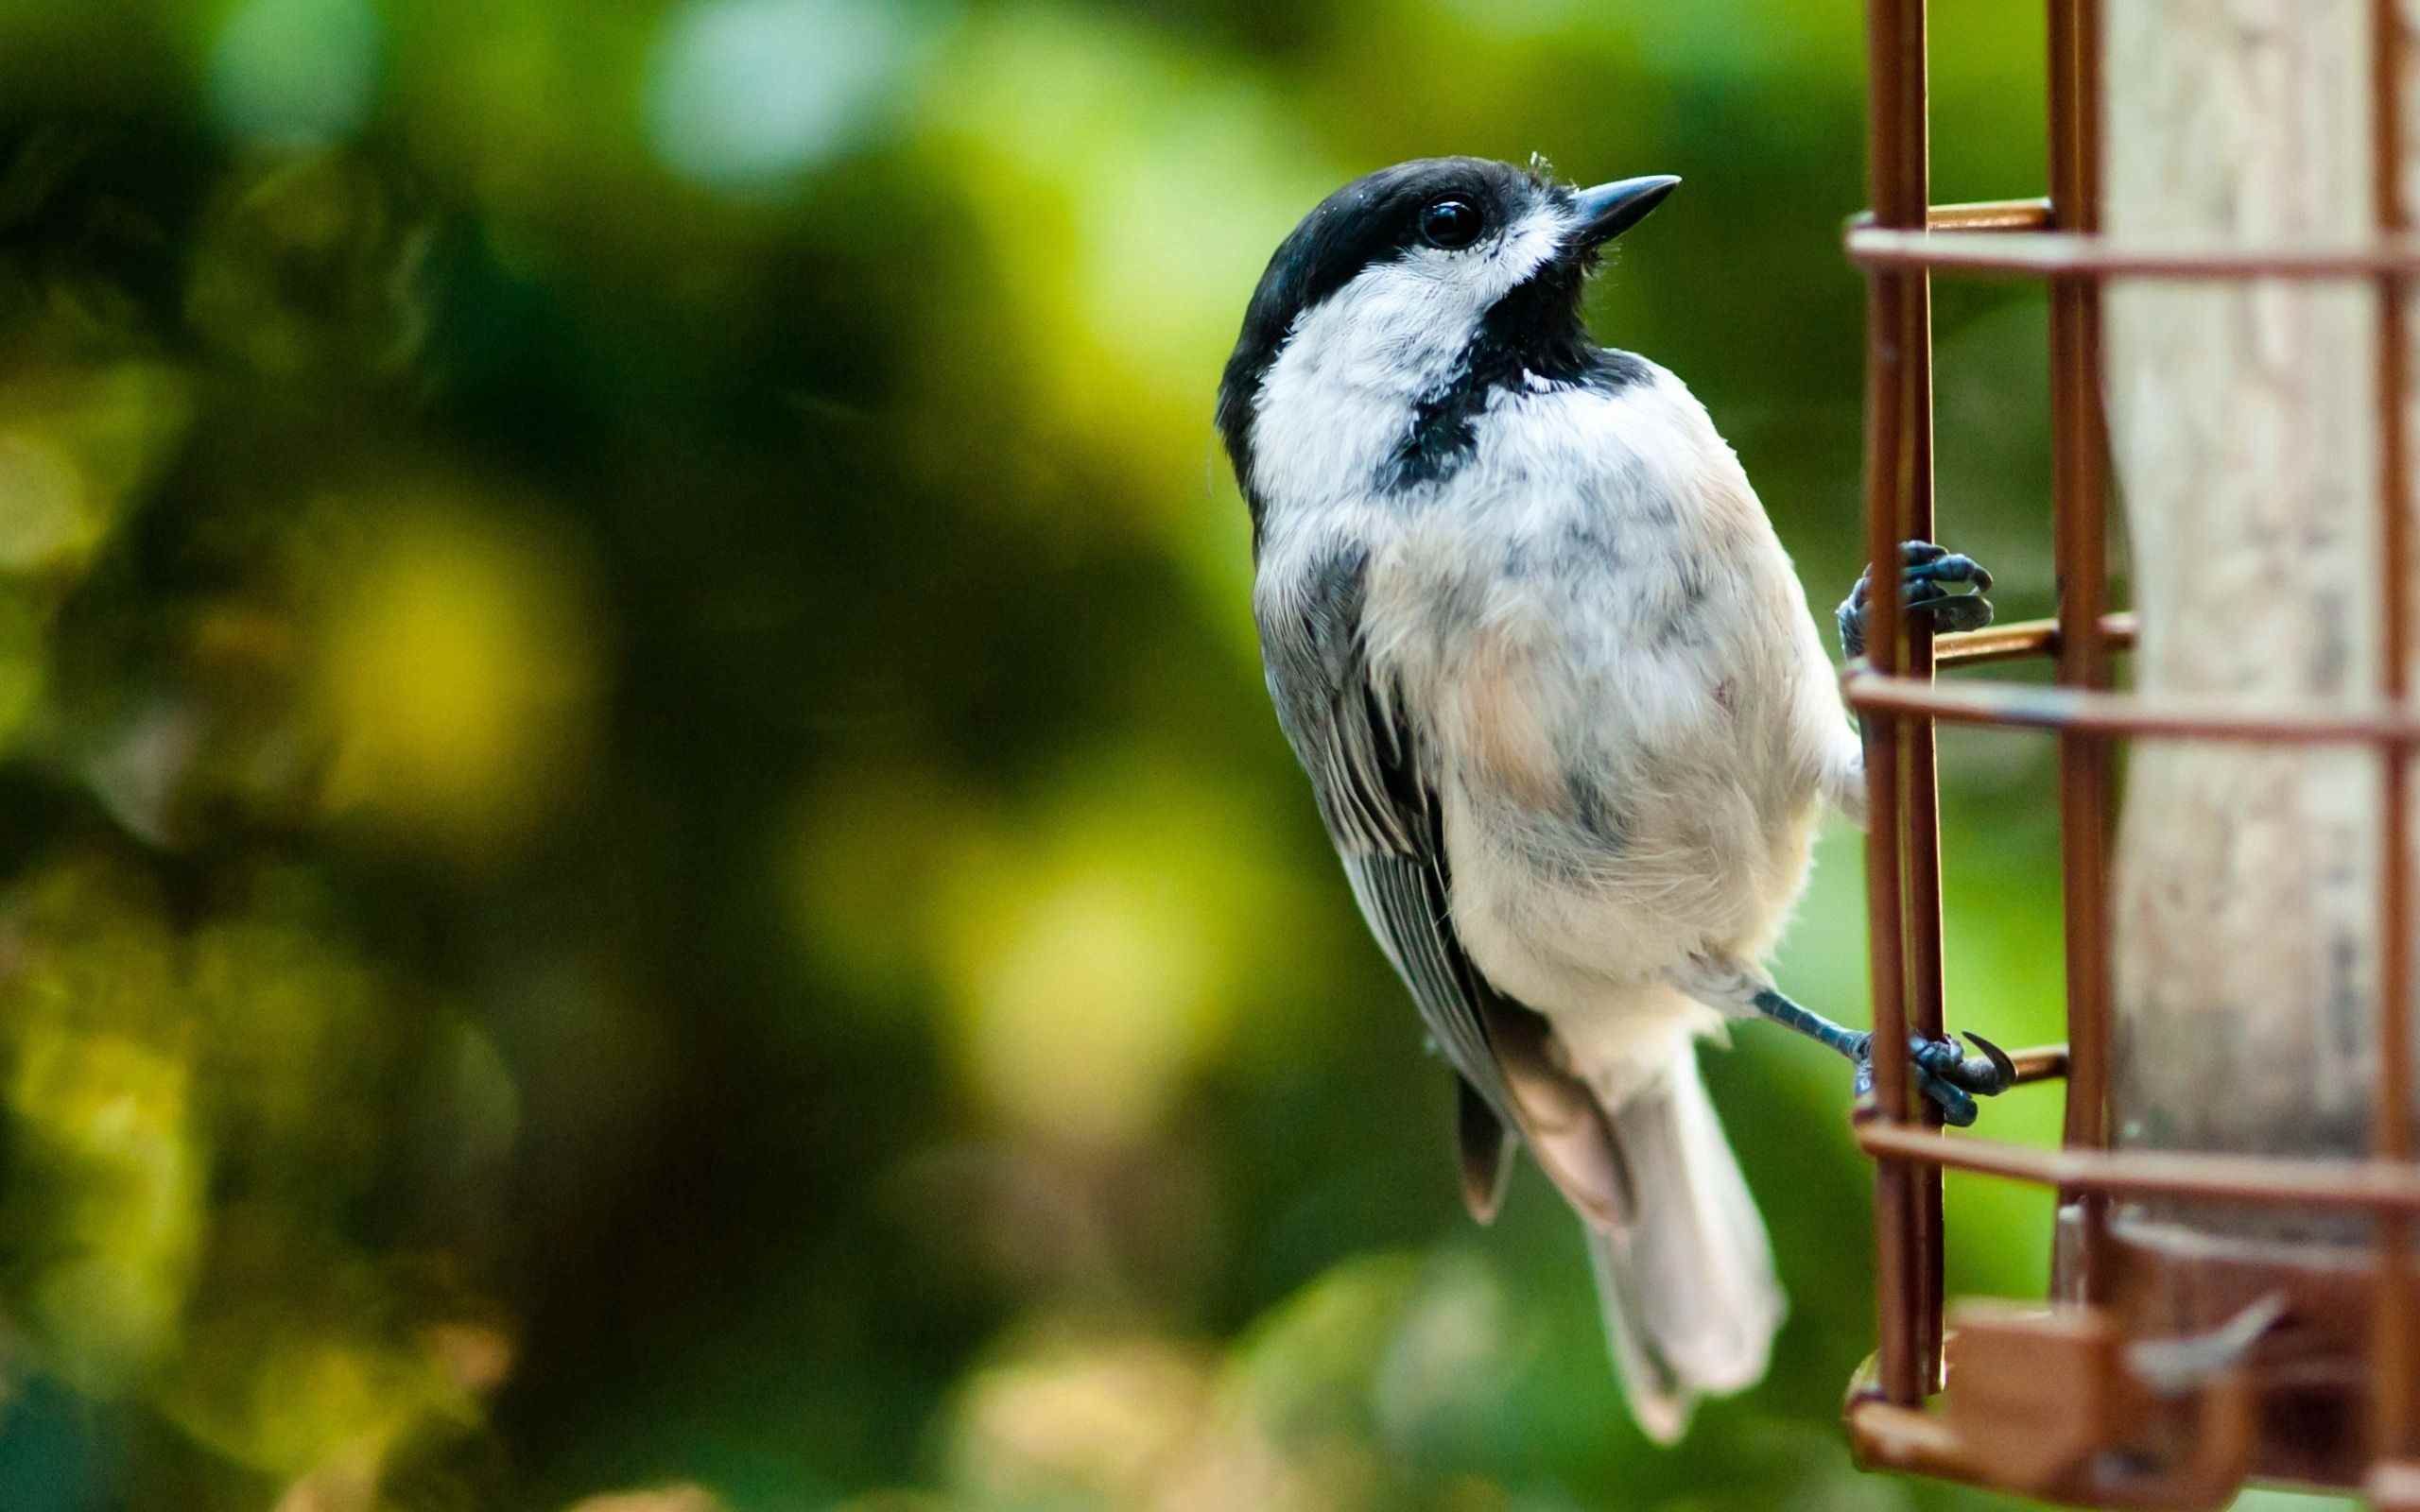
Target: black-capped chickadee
{"x":1568,"y":719}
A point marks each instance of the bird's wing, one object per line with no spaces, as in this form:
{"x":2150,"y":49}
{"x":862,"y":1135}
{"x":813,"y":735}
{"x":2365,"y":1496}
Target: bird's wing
{"x":1382,"y":811}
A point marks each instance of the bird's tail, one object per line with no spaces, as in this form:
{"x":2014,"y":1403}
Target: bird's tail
{"x":1687,"y":1285}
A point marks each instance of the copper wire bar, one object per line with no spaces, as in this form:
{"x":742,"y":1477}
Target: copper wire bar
{"x":1991,"y":214}
{"x":2039,"y":1063}
{"x":1896,"y":351}
{"x":2121,"y":713}
{"x":2392,"y":1354}
{"x":1894,"y":1189}
{"x":1920,"y":770}
{"x":2054,"y":254}
{"x":2254,"y":1181}
{"x":1981,"y":215}
{"x":2022,"y":639}
{"x":2079,"y":527}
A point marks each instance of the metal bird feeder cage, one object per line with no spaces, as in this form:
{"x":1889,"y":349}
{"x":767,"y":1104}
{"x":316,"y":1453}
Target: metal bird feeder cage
{"x":2052,"y":1401}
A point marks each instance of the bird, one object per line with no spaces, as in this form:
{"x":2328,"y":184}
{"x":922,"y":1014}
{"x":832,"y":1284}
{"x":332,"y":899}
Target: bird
{"x":1565,"y":713}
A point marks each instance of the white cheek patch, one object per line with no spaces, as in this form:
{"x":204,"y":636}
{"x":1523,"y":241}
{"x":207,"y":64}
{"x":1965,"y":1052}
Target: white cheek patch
{"x":1532,"y":242}
{"x":1402,"y":324}
{"x":1334,"y":403}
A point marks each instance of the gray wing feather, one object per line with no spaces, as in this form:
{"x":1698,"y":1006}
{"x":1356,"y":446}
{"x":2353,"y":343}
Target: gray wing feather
{"x":1382,"y":812}
{"x":1483,"y":1146}
{"x":1399,"y":897}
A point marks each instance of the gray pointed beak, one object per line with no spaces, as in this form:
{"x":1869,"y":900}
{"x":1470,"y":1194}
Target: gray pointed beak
{"x":1611,"y":209}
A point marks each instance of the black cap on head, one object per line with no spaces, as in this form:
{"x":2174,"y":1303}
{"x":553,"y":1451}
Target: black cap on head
{"x":1373,"y":219}
{"x":1442,"y":204}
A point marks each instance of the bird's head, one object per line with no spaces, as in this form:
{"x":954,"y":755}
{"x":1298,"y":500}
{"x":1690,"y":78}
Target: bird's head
{"x":1411,"y":278}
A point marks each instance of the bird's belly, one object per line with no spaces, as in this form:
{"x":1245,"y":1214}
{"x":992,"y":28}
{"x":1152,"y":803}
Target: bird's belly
{"x":1624,"y":720}
{"x":1702,"y":845}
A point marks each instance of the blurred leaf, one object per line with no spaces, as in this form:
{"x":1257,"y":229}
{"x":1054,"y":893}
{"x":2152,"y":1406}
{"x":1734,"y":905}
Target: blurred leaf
{"x":77,"y":447}
{"x":457,"y":673}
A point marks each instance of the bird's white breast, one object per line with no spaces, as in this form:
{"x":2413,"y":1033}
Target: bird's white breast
{"x":1333,"y":406}
{"x":1610,"y":662}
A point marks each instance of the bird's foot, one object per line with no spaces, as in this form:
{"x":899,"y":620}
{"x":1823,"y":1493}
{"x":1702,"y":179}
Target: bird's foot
{"x":1927,"y":576}
{"x":1947,"y":1076}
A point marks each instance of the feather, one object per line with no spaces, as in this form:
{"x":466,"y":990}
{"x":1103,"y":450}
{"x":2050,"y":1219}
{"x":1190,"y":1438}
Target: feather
{"x":1688,"y":1295}
{"x":1485,"y":1146}
{"x":1383,"y":813}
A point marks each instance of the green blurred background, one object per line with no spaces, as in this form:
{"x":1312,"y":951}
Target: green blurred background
{"x":640,"y":850}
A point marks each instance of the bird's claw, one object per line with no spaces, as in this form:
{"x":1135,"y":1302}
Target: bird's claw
{"x":1926,"y":575}
{"x":1947,"y":1076}
{"x":1995,"y":1066}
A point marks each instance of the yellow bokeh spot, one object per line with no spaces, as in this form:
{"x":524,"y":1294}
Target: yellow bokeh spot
{"x":110,"y":1167}
{"x":1095,"y":960}
{"x":76,"y":446}
{"x":297,"y":1351}
{"x":457,"y":678}
{"x":1092,"y":1002}
{"x":291,"y":1396}
{"x":1095,"y":1420}
{"x":658,"y":1499}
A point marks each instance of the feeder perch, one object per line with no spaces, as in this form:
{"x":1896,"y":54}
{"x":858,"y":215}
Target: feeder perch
{"x":2232,"y":1292}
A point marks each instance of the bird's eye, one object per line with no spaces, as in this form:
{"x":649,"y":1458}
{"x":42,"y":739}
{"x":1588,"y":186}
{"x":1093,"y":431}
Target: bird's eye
{"x":1450,"y":223}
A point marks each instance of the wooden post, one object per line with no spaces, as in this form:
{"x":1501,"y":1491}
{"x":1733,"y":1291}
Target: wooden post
{"x":2250,"y":451}
{"x":2245,"y":443}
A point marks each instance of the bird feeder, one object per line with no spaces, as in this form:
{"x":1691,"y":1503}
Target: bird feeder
{"x":2229,"y":256}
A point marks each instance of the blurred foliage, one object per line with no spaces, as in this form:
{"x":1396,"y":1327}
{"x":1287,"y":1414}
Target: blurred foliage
{"x":643,"y":860}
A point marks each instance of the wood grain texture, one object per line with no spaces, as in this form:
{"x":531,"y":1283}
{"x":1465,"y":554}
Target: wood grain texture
{"x":2243,"y":426}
